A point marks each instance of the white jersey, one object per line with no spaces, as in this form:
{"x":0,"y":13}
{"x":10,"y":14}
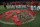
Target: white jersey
{"x":23,"y":6}
{"x":31,"y":7}
{"x":17,"y":6}
{"x":9,"y":6}
{"x":34,"y":7}
{"x":13,"y":6}
{"x":38,"y":7}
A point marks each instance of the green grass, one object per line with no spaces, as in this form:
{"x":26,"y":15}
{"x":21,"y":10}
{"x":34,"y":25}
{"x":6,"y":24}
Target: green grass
{"x":35,"y":23}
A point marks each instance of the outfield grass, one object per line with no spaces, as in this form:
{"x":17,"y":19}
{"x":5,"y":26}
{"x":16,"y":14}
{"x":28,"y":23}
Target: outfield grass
{"x":35,"y":23}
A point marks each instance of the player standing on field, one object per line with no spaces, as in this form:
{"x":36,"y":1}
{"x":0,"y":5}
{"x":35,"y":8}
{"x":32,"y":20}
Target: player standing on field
{"x":21,"y":4}
{"x":13,"y":5}
{"x":32,"y":3}
{"x":34,"y":6}
{"x":38,"y":8}
{"x":10,"y":5}
{"x":4,"y":3}
{"x":28,"y":5}
{"x":17,"y":3}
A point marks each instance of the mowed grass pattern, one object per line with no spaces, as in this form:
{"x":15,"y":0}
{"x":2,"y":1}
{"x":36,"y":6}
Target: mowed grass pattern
{"x":34,"y":23}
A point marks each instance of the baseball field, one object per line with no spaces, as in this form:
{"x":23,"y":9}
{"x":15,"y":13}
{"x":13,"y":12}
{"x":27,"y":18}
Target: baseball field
{"x":34,"y":23}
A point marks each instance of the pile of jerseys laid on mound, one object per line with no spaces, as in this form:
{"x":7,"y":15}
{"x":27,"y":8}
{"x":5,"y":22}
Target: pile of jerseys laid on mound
{"x":16,"y":19}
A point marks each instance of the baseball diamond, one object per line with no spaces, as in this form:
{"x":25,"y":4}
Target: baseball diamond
{"x":20,"y":13}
